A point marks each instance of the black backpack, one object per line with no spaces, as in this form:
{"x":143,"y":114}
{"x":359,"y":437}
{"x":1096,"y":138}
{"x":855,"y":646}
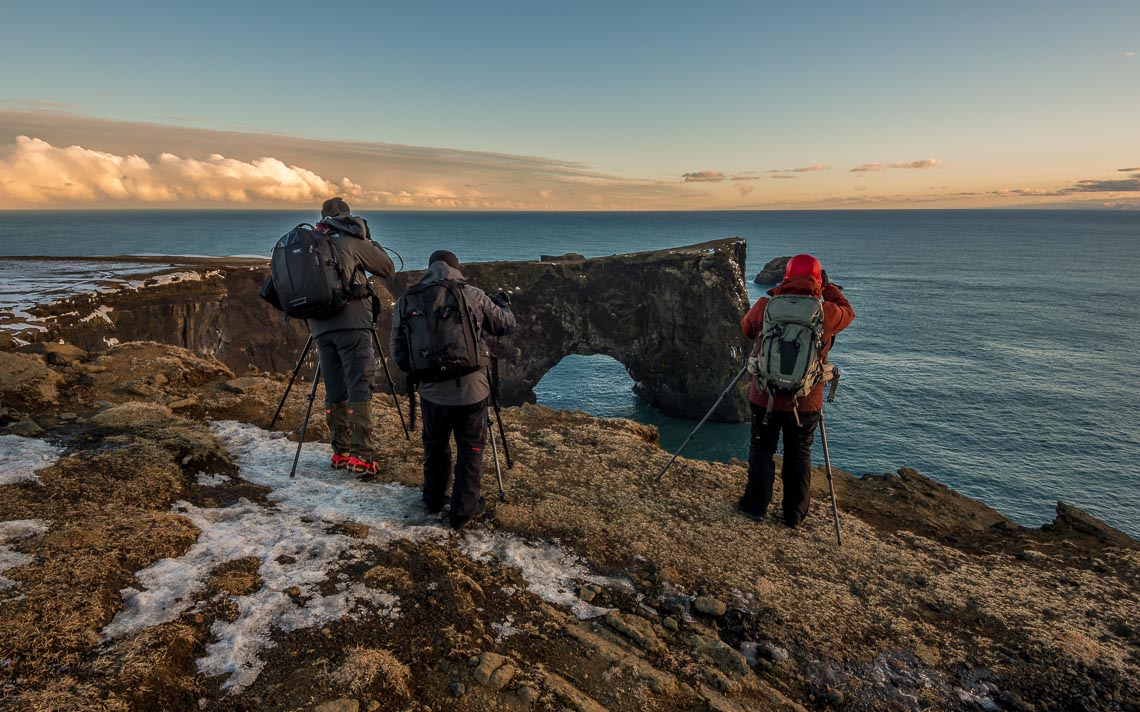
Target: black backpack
{"x":440,"y":335}
{"x":306,"y":275}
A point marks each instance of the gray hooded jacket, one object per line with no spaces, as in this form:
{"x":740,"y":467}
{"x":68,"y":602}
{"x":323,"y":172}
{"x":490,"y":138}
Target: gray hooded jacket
{"x":357,"y":254}
{"x":489,"y":318}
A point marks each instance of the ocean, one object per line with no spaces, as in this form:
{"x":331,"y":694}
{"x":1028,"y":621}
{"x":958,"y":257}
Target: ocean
{"x":992,"y":350}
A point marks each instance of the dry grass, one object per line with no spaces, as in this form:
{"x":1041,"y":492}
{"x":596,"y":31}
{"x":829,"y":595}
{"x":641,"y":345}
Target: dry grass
{"x":368,"y":667}
{"x":239,"y":577}
{"x":154,"y":669}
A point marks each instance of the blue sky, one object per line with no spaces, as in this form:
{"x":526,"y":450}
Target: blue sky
{"x":1013,"y":95}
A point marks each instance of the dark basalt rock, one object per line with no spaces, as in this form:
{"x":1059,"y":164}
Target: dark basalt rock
{"x":773,"y":272}
{"x":671,"y":317}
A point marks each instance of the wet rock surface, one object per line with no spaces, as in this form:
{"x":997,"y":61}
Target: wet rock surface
{"x":932,"y":602}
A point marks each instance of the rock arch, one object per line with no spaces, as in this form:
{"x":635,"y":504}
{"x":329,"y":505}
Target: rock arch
{"x":671,"y":317}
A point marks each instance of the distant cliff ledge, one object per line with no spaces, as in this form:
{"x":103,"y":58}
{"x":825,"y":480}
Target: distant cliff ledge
{"x":671,"y":317}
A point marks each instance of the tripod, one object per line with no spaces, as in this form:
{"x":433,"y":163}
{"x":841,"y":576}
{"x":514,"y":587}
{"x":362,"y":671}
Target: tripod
{"x":493,"y":376}
{"x":313,"y":392}
{"x":700,"y":424}
{"x":832,"y":375}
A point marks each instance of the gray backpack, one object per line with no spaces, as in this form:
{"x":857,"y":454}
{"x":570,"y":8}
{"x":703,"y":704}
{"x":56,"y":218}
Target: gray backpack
{"x":787,"y":359}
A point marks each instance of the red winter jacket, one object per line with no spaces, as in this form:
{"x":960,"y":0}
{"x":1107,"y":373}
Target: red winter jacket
{"x":837,"y":314}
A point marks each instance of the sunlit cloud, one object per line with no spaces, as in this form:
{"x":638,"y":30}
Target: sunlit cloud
{"x":805,"y":169}
{"x":784,"y":177}
{"x":1129,"y":170}
{"x":1130,"y":54}
{"x":703,"y":177}
{"x":871,"y":167}
{"x":744,"y":189}
{"x":37,"y":172}
{"x":924,"y":163}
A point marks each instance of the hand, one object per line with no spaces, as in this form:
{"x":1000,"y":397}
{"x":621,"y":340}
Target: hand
{"x":501,"y":299}
{"x":831,"y":291}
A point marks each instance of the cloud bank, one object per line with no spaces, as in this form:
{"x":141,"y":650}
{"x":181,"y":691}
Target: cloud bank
{"x":873,"y":167}
{"x":60,"y":159}
{"x":37,"y":172}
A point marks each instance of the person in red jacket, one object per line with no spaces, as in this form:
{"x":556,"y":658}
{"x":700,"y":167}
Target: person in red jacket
{"x":802,"y":276}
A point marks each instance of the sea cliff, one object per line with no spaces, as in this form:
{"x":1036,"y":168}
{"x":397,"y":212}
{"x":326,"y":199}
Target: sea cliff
{"x":155,"y":554}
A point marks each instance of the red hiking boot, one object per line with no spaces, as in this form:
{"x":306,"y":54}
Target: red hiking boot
{"x":340,"y":460}
{"x":355,"y":464}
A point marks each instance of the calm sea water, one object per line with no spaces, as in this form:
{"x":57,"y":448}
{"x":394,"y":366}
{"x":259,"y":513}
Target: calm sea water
{"x":994,"y":351}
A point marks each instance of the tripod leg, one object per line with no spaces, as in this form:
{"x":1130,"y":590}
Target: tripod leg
{"x":391,"y":384}
{"x":502,"y":432}
{"x":830,"y":482}
{"x":305,"y":424}
{"x":495,"y":452}
{"x":718,"y":400}
{"x":304,"y":353}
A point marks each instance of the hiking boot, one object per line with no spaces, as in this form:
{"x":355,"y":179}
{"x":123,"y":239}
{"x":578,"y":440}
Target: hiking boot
{"x":362,"y":466}
{"x":340,"y":460}
{"x":461,"y":524}
{"x":743,"y":508}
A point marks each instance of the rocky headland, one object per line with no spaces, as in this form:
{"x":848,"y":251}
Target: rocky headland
{"x":154,"y":553}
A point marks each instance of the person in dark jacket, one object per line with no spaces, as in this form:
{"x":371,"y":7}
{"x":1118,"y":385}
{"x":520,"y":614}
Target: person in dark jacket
{"x":802,"y":276}
{"x":457,"y":406}
{"x":344,"y":341}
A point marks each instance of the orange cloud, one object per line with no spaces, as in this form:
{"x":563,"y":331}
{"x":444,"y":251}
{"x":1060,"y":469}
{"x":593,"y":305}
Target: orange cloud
{"x":703,"y":177}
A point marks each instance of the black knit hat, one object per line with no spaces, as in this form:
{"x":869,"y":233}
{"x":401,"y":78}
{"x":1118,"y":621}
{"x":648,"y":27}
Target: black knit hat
{"x":447,"y":256}
{"x":335,"y":208}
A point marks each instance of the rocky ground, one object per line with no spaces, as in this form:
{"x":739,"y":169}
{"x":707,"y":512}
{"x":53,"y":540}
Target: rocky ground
{"x":155,"y":554}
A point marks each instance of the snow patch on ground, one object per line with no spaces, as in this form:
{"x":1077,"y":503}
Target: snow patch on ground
{"x":100,"y":313}
{"x":20,"y":457}
{"x":300,"y":528}
{"x":394,"y":511}
{"x":13,"y":531}
{"x":245,"y":529}
{"x":206,"y":480}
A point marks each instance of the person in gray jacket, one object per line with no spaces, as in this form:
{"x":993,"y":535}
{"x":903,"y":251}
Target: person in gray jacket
{"x":457,"y":406}
{"x":344,"y":340}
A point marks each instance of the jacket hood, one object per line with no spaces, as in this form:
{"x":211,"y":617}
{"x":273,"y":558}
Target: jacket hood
{"x":441,"y":270}
{"x":805,"y":284}
{"x":349,"y":225}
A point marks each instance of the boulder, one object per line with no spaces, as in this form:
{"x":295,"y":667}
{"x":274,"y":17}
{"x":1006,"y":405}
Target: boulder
{"x":773,"y":272}
{"x":26,"y":382}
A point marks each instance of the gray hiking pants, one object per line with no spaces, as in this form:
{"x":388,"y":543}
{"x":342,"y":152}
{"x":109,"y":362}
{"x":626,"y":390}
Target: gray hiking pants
{"x":347,"y":365}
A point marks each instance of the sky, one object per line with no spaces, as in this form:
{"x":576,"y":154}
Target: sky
{"x":572,"y":106}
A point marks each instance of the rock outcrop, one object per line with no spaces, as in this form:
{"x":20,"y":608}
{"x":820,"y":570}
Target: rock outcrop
{"x":771,"y":273}
{"x":670,"y":317}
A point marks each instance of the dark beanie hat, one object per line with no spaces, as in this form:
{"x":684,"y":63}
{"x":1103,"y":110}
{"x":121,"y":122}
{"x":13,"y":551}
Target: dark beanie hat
{"x":335,"y":208}
{"x":447,"y":256}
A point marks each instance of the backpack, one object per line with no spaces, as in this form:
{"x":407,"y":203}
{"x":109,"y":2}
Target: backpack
{"x":787,"y":360}
{"x":441,"y":337}
{"x":307,"y":277}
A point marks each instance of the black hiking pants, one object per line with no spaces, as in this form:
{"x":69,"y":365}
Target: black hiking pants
{"x":347,"y":365}
{"x":796,"y":471}
{"x":469,"y":425}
